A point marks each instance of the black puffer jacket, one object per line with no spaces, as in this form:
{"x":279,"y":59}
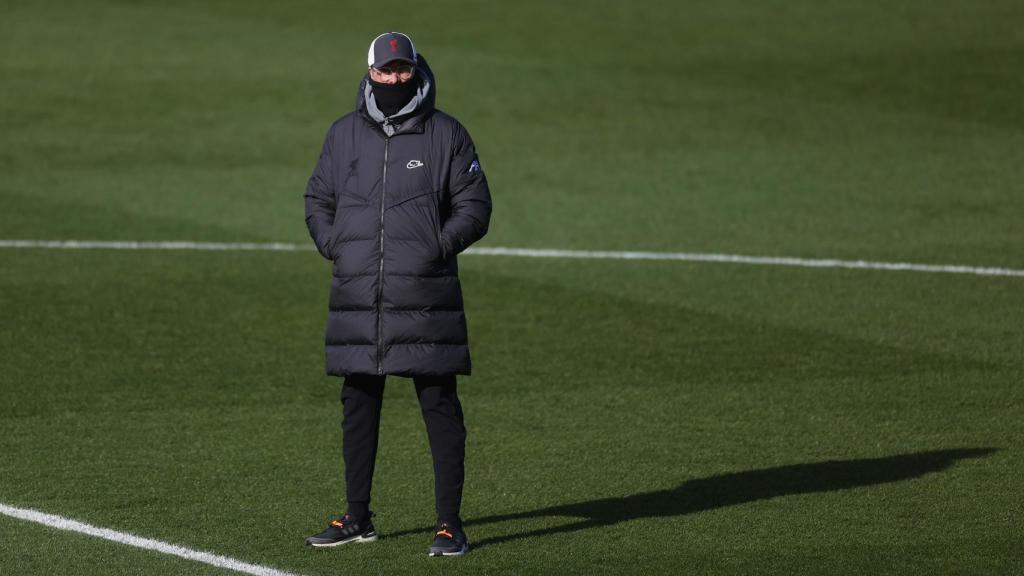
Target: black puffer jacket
{"x":392,"y":202}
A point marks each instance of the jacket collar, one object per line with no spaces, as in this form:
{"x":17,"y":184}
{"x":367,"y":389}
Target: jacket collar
{"x":411,"y":117}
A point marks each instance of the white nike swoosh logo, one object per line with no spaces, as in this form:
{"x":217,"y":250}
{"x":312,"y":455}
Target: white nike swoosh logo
{"x":413,"y":164}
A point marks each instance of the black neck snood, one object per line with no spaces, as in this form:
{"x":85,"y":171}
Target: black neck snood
{"x":391,"y":98}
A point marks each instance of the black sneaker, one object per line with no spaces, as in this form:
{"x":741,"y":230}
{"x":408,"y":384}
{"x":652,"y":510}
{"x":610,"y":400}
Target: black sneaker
{"x":343,"y":531}
{"x":449,"y":541}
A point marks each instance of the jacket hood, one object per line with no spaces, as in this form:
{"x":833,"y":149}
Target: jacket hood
{"x":418,"y":109}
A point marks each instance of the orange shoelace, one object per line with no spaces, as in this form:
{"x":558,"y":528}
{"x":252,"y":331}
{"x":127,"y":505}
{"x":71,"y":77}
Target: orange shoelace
{"x":445,"y":532}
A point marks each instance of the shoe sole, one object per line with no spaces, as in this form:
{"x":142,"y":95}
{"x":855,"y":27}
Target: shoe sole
{"x":355,"y":539}
{"x":439,"y":553}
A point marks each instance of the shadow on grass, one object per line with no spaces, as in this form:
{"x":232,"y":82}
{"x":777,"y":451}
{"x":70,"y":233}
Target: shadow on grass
{"x":737,"y":488}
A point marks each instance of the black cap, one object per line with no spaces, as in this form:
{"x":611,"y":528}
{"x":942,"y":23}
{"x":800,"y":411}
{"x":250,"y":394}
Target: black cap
{"x":389,"y":47}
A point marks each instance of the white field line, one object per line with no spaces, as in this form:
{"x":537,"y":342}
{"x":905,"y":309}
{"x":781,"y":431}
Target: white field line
{"x":169,"y":245}
{"x":539,"y":253}
{"x":740,"y":259}
{"x":61,"y":523}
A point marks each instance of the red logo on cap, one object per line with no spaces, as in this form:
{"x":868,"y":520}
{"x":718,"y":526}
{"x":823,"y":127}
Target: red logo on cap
{"x":394,"y":45}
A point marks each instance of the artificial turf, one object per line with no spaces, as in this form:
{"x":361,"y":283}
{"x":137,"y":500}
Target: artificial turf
{"x":659,"y":417}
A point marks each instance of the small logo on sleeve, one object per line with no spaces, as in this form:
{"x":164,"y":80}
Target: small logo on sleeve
{"x":413,"y":164}
{"x":475,"y":166}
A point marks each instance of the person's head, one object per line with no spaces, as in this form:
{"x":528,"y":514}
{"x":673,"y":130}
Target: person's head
{"x":391,"y":58}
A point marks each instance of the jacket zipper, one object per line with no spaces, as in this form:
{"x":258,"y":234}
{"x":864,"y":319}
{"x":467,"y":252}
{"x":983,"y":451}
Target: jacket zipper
{"x":380,"y":272}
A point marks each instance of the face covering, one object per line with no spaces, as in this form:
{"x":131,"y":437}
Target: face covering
{"x":391,"y":98}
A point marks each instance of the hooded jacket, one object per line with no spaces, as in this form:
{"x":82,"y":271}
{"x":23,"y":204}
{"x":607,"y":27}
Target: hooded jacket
{"x":392,"y":202}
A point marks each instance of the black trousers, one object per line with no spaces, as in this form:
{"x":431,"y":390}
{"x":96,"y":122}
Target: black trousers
{"x":362,"y":396}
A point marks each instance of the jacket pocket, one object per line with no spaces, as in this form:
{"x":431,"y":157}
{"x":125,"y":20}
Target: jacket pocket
{"x":424,"y":222}
{"x":335,"y":249}
{"x":334,"y":243}
{"x":435,"y":220}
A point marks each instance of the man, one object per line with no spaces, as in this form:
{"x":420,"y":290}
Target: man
{"x":397,"y":193}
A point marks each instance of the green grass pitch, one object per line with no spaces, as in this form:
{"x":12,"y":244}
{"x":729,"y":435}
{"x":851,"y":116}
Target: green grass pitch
{"x":624,"y":417}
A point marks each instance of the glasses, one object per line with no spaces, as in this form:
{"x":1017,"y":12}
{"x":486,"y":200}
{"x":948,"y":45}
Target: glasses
{"x":403,"y":72}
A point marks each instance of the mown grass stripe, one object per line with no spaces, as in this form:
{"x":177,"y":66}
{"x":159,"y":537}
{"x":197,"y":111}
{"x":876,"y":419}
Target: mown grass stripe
{"x":538,"y":253}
